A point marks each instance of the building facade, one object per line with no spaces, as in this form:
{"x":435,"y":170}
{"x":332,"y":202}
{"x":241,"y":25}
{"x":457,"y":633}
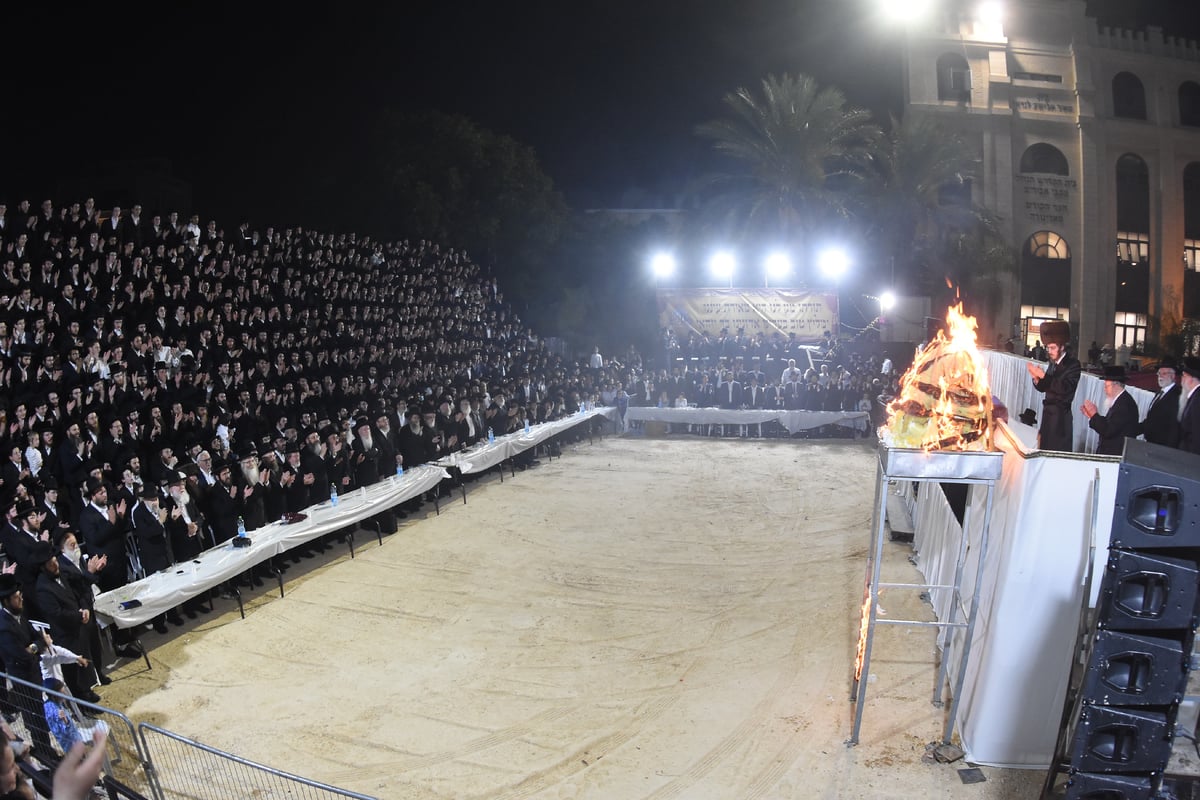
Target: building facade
{"x":1089,"y":140}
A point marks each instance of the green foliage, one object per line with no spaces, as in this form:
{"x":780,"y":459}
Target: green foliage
{"x":441,"y":176}
{"x":792,"y":150}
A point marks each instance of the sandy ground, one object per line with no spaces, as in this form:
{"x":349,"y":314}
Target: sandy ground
{"x":644,"y":618}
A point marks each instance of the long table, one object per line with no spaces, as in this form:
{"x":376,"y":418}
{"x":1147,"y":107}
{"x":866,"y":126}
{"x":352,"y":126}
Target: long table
{"x":158,"y":593}
{"x":794,"y":421}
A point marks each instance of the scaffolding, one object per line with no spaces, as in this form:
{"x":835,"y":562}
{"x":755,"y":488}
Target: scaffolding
{"x":981,"y":468}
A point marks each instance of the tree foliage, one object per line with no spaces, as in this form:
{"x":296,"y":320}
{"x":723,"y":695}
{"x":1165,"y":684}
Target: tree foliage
{"x":792,"y":152}
{"x":444,"y":177}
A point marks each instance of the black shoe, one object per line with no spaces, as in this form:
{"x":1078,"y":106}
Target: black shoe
{"x":175,"y":619}
{"x":103,"y":679}
{"x":90,"y":697}
{"x":160,"y":626}
{"x":128,"y":651}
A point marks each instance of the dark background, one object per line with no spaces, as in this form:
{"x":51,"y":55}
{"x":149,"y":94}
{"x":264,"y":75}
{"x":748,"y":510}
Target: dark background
{"x":261,"y":107}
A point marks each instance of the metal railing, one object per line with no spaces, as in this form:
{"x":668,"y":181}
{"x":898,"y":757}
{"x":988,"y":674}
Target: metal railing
{"x":124,"y":774}
{"x":185,"y":769}
{"x":149,"y":761}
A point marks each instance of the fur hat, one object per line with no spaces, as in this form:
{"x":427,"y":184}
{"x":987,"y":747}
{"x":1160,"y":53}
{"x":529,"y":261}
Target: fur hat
{"x":1055,"y":331}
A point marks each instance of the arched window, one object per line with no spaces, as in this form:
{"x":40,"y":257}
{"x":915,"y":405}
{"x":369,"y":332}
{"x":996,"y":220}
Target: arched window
{"x":1048,"y":244}
{"x":953,"y":78}
{"x":1046,"y":275}
{"x":1191,"y":240}
{"x":1189,"y":104}
{"x":1133,"y":234}
{"x":1047,"y":158}
{"x":1129,"y":97}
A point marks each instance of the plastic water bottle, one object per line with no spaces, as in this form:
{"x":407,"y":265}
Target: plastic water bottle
{"x":241,"y":528}
{"x":491,"y":437}
{"x":526,"y":427}
{"x":332,"y":494}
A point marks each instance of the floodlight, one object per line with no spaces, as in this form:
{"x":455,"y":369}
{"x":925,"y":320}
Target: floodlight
{"x":990,"y":12}
{"x":904,"y":11}
{"x":663,"y":265}
{"x":723,"y":265}
{"x":778,"y":265}
{"x":833,"y":262}
{"x":887,"y":301}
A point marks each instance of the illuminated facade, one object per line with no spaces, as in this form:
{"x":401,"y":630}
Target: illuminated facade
{"x":1090,"y":146}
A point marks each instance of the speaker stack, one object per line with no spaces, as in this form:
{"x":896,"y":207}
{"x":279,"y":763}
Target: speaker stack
{"x":1136,"y":645}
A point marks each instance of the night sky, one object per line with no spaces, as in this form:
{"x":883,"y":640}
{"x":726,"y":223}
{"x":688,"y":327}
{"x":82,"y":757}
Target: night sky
{"x":251,"y":104}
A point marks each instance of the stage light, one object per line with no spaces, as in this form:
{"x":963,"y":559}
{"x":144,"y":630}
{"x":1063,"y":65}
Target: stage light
{"x":833,"y":262}
{"x":723,"y":265}
{"x":990,"y":12}
{"x":778,"y":265}
{"x":663,"y":265}
{"x":904,"y":11}
{"x":887,"y":301}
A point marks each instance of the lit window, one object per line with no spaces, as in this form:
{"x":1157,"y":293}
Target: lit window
{"x":1191,"y":254}
{"x":1133,"y":248}
{"x":1048,"y":244}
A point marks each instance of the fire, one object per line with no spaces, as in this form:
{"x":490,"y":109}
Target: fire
{"x":944,"y":402}
{"x":863,"y":624}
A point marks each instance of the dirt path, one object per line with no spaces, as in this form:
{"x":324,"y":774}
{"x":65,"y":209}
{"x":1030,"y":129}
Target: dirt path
{"x":640,"y":619}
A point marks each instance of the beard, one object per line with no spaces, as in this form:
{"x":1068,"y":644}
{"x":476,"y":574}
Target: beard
{"x":251,"y":474}
{"x":368,"y":442}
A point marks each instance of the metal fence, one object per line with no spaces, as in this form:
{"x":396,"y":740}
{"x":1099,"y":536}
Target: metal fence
{"x":151,"y":762}
{"x":185,"y":769}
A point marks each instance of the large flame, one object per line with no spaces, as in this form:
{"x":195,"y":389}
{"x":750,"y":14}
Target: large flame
{"x":944,"y":401}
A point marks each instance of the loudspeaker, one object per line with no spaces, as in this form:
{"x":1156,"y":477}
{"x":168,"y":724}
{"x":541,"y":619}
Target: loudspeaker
{"x":1120,"y":740}
{"x":1158,"y":498}
{"x":1088,"y":786}
{"x":1126,"y":669}
{"x":1148,"y":592}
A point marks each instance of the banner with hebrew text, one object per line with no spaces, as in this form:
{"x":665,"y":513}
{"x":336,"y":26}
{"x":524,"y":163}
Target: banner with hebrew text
{"x":766,"y":311}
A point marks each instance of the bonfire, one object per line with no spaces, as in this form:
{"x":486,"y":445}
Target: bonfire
{"x":944,"y":401}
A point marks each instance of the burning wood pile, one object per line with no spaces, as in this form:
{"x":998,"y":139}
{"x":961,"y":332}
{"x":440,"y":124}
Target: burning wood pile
{"x":944,"y":401}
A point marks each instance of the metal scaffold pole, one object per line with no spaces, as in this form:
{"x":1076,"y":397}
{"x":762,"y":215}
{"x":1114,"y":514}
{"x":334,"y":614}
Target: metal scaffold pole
{"x":919,"y":466}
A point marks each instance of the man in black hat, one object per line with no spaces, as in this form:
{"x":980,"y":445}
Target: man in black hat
{"x":1189,"y":413}
{"x":1161,"y":425}
{"x":1119,"y":420}
{"x":1058,"y":382}
{"x":20,"y":648}
{"x":102,"y":527}
{"x":58,"y":605}
{"x":20,"y":542}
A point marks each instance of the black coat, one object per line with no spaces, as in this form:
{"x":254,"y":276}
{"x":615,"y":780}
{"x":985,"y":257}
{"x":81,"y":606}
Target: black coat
{"x":1189,"y":426}
{"x":102,"y":537}
{"x":1120,"y":421}
{"x":1161,"y":425}
{"x":1058,"y":384}
{"x":154,"y":546}
{"x":58,"y":605}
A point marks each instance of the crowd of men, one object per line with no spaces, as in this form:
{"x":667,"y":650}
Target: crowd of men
{"x":163,"y":382}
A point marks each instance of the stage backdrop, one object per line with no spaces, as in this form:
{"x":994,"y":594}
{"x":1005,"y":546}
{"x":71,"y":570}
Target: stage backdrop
{"x":766,"y":311}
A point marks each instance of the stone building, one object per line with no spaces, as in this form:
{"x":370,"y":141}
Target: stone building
{"x":1090,"y":146}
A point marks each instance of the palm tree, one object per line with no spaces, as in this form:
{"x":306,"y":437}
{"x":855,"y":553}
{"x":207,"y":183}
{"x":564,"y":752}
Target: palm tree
{"x":794,"y":150}
{"x":919,"y":201}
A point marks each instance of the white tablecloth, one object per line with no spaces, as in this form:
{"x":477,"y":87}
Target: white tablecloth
{"x":484,"y":455}
{"x":1030,"y":598}
{"x":162,"y":591}
{"x":792,"y":420}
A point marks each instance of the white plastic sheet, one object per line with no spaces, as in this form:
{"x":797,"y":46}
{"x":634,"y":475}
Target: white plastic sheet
{"x":1030,"y":598}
